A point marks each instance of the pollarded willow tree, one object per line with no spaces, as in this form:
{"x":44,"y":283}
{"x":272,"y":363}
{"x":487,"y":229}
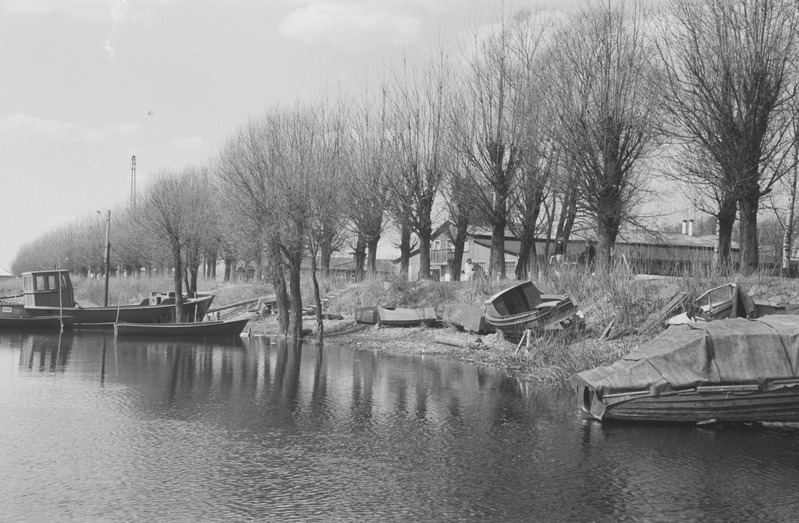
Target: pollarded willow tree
{"x":366,"y":144}
{"x":173,"y":209}
{"x":417,"y":127}
{"x":602,"y":91}
{"x":726,"y":66}
{"x":487,"y":122}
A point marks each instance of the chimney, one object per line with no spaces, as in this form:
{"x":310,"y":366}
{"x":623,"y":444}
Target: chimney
{"x":685,"y":226}
{"x":690,"y":227}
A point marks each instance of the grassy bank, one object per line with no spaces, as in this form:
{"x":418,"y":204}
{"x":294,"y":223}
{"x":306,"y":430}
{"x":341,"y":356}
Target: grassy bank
{"x":552,"y":357}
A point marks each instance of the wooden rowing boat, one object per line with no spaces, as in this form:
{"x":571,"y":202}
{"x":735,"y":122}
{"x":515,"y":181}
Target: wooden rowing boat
{"x":207,"y":329}
{"x":397,"y":317}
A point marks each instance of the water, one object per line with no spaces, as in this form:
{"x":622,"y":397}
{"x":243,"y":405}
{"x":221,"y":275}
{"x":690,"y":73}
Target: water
{"x":93,"y":429}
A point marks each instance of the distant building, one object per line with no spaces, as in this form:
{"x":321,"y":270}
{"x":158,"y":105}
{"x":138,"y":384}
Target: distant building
{"x":345,"y":266}
{"x":644,"y":252}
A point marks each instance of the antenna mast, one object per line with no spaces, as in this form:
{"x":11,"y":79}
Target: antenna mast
{"x":133,"y":181}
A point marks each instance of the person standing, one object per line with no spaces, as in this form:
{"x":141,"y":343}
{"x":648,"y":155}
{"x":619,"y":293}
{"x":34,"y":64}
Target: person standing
{"x":468,"y":271}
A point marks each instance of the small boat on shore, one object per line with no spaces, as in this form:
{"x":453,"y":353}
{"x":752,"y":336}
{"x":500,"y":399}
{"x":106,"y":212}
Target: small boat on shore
{"x":728,"y":371}
{"x":522,"y":307}
{"x":367,"y":315}
{"x":729,"y":301}
{"x":467,"y":317}
{"x":397,"y":317}
{"x":229,"y":329}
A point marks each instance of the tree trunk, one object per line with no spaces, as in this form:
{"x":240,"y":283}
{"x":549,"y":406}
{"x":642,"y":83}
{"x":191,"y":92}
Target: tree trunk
{"x":458,"y":240}
{"x":178,"y":279}
{"x":748,"y":225}
{"x":360,"y":257}
{"x":405,"y":251}
{"x":295,"y":296}
{"x":320,"y":326}
{"x":371,"y":255}
{"x":726,"y":221}
{"x":425,"y":239}
{"x":496,"y":266}
{"x":276,"y":270}
{"x":787,"y":240}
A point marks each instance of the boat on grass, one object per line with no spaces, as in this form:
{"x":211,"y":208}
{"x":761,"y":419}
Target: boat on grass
{"x":207,"y":329}
{"x":50,"y":293}
{"x":467,"y":317}
{"x":398,"y":317}
{"x":522,"y":307}
{"x":729,"y":301}
{"x":730,"y":371}
{"x":367,"y":315}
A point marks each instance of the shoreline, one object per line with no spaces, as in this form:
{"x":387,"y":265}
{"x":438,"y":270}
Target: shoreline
{"x":530,"y":365}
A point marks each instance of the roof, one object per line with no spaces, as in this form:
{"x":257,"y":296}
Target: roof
{"x":341,"y":263}
{"x":5,"y":274}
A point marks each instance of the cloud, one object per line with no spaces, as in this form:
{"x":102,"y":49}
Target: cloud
{"x":21,"y":129}
{"x":349,"y":26}
{"x":191,"y":143}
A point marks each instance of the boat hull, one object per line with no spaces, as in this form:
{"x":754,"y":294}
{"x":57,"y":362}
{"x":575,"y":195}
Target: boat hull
{"x":468,"y":318}
{"x":106,"y":317}
{"x":367,"y":315}
{"x":407,"y":317}
{"x":211,"y":329}
{"x":743,"y":404}
{"x":35,"y":323}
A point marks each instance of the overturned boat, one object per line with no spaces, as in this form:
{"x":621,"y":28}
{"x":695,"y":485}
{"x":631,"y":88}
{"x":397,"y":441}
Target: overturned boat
{"x":522,"y":307}
{"x":730,"y":371}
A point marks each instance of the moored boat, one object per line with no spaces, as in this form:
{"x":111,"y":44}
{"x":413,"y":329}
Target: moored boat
{"x":14,"y":317}
{"x":206,"y":329}
{"x":399,"y":317}
{"x":522,"y":307}
{"x":50,"y":293}
{"x":728,"y":371}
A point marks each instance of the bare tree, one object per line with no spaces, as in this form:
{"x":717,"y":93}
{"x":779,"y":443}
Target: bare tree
{"x":602,"y":85}
{"x":172,"y":206}
{"x":726,"y":65}
{"x":418,"y":105}
{"x":487,"y":122}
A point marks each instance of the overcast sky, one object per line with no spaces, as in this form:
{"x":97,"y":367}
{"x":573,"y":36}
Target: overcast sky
{"x":86,"y":84}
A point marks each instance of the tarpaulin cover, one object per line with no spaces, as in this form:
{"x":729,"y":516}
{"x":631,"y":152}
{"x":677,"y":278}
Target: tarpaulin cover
{"x":717,"y":352}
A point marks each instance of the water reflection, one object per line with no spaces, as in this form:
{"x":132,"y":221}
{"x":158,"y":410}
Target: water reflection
{"x":135,"y":429}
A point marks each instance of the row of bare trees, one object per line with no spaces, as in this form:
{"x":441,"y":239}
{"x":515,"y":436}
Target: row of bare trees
{"x":539,"y":125}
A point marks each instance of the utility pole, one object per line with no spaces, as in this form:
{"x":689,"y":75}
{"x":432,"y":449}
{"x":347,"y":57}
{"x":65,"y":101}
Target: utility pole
{"x":107,"y":252}
{"x":133,"y":181}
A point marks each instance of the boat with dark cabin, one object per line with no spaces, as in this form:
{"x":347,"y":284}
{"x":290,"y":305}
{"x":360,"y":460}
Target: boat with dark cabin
{"x":50,"y":293}
{"x":727,"y":371}
{"x":399,"y":317}
{"x":522,"y":306}
{"x":13,"y":317}
{"x":229,"y":329}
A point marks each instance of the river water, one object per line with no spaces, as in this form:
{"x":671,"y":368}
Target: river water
{"x":98,"y":429}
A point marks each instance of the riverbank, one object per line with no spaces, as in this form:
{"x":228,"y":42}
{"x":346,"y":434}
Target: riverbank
{"x":626,"y":299}
{"x":620,"y":296}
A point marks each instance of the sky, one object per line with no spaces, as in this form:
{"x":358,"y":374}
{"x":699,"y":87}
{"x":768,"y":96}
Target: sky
{"x":87,"y":84}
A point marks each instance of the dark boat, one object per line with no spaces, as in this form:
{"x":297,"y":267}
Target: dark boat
{"x":522,"y":307}
{"x":467,"y":317}
{"x":398,"y":317}
{"x":14,"y":317}
{"x":367,"y":315}
{"x":729,"y":371}
{"x":206,"y":329}
{"x":50,"y":293}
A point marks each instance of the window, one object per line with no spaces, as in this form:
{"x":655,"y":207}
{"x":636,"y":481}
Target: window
{"x":40,"y":283}
{"x":51,"y":282}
